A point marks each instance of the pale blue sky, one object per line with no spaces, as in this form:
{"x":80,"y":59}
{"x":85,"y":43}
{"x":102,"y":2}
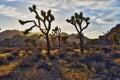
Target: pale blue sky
{"x":104,"y":14}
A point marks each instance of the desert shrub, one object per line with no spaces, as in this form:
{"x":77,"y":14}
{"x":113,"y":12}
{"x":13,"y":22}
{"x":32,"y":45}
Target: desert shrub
{"x":22,"y":53}
{"x":43,"y":65}
{"x":98,"y":66}
{"x":40,"y":49}
{"x":54,"y":54}
{"x":106,"y":50}
{"x":7,"y":57}
{"x":35,"y":74}
{"x":97,"y":49}
{"x":62,"y":54}
{"x":93,"y":57}
{"x":75,"y":55}
{"x":76,"y":50}
{"x":1,"y":62}
{"x":26,"y":62}
{"x":68,"y":49}
{"x":15,"y":52}
{"x":109,"y":64}
{"x":6,"y":50}
{"x":10,"y":58}
{"x":93,"y":60}
{"x":116,"y":55}
{"x":36,"y":56}
{"x":68,"y":59}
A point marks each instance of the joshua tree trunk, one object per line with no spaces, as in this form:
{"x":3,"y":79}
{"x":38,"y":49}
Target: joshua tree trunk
{"x":81,"y":42}
{"x":48,"y":45}
{"x":59,"y":40}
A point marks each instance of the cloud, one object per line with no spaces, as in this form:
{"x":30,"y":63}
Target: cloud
{"x":11,"y":0}
{"x":10,"y":12}
{"x":105,"y":21}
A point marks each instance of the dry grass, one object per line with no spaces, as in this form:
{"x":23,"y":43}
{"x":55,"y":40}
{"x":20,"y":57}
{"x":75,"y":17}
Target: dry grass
{"x":7,"y":69}
{"x":24,"y":66}
{"x":76,"y":74}
{"x":117,"y":61}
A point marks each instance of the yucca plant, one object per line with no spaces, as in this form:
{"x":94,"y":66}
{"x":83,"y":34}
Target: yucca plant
{"x":57,"y":32}
{"x":77,"y":21}
{"x":46,"y":19}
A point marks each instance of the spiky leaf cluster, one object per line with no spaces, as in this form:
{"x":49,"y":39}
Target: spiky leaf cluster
{"x":78,"y":19}
{"x":56,"y":30}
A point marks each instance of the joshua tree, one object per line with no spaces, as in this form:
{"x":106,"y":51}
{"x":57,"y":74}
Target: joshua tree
{"x":78,"y":21}
{"x":45,"y":19}
{"x":57,"y":32}
{"x":52,"y":39}
{"x":7,"y":42}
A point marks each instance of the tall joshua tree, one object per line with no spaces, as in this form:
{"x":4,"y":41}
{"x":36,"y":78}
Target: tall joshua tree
{"x":57,"y":32}
{"x":46,"y":19}
{"x":78,"y":22}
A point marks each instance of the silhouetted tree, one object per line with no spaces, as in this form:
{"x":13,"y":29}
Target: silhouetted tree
{"x":78,"y":21}
{"x":57,"y":32}
{"x":46,"y":18}
{"x":7,"y":42}
{"x":52,"y":39}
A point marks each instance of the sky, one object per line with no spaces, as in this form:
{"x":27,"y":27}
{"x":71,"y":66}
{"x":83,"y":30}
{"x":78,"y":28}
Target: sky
{"x":104,"y":14}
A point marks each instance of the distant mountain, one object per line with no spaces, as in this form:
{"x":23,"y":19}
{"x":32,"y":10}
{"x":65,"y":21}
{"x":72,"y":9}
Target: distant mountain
{"x":17,"y":38}
{"x":108,"y":36}
{"x":9,"y":34}
{"x":74,"y":38}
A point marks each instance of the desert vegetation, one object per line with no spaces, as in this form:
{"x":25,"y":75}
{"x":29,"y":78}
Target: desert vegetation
{"x":59,"y":56}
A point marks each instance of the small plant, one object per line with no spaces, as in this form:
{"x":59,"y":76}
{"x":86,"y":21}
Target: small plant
{"x":57,"y":32}
{"x":7,"y":42}
{"x":77,"y":20}
{"x":45,"y":20}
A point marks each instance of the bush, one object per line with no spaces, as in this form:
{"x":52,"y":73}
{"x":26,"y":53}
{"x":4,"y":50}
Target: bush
{"x":106,"y":50}
{"x":116,"y":55}
{"x":109,"y":64}
{"x":15,"y":53}
{"x":62,"y":55}
{"x":43,"y":65}
{"x":35,"y":74}
{"x":6,"y":50}
{"x":1,"y":62}
{"x":10,"y":58}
